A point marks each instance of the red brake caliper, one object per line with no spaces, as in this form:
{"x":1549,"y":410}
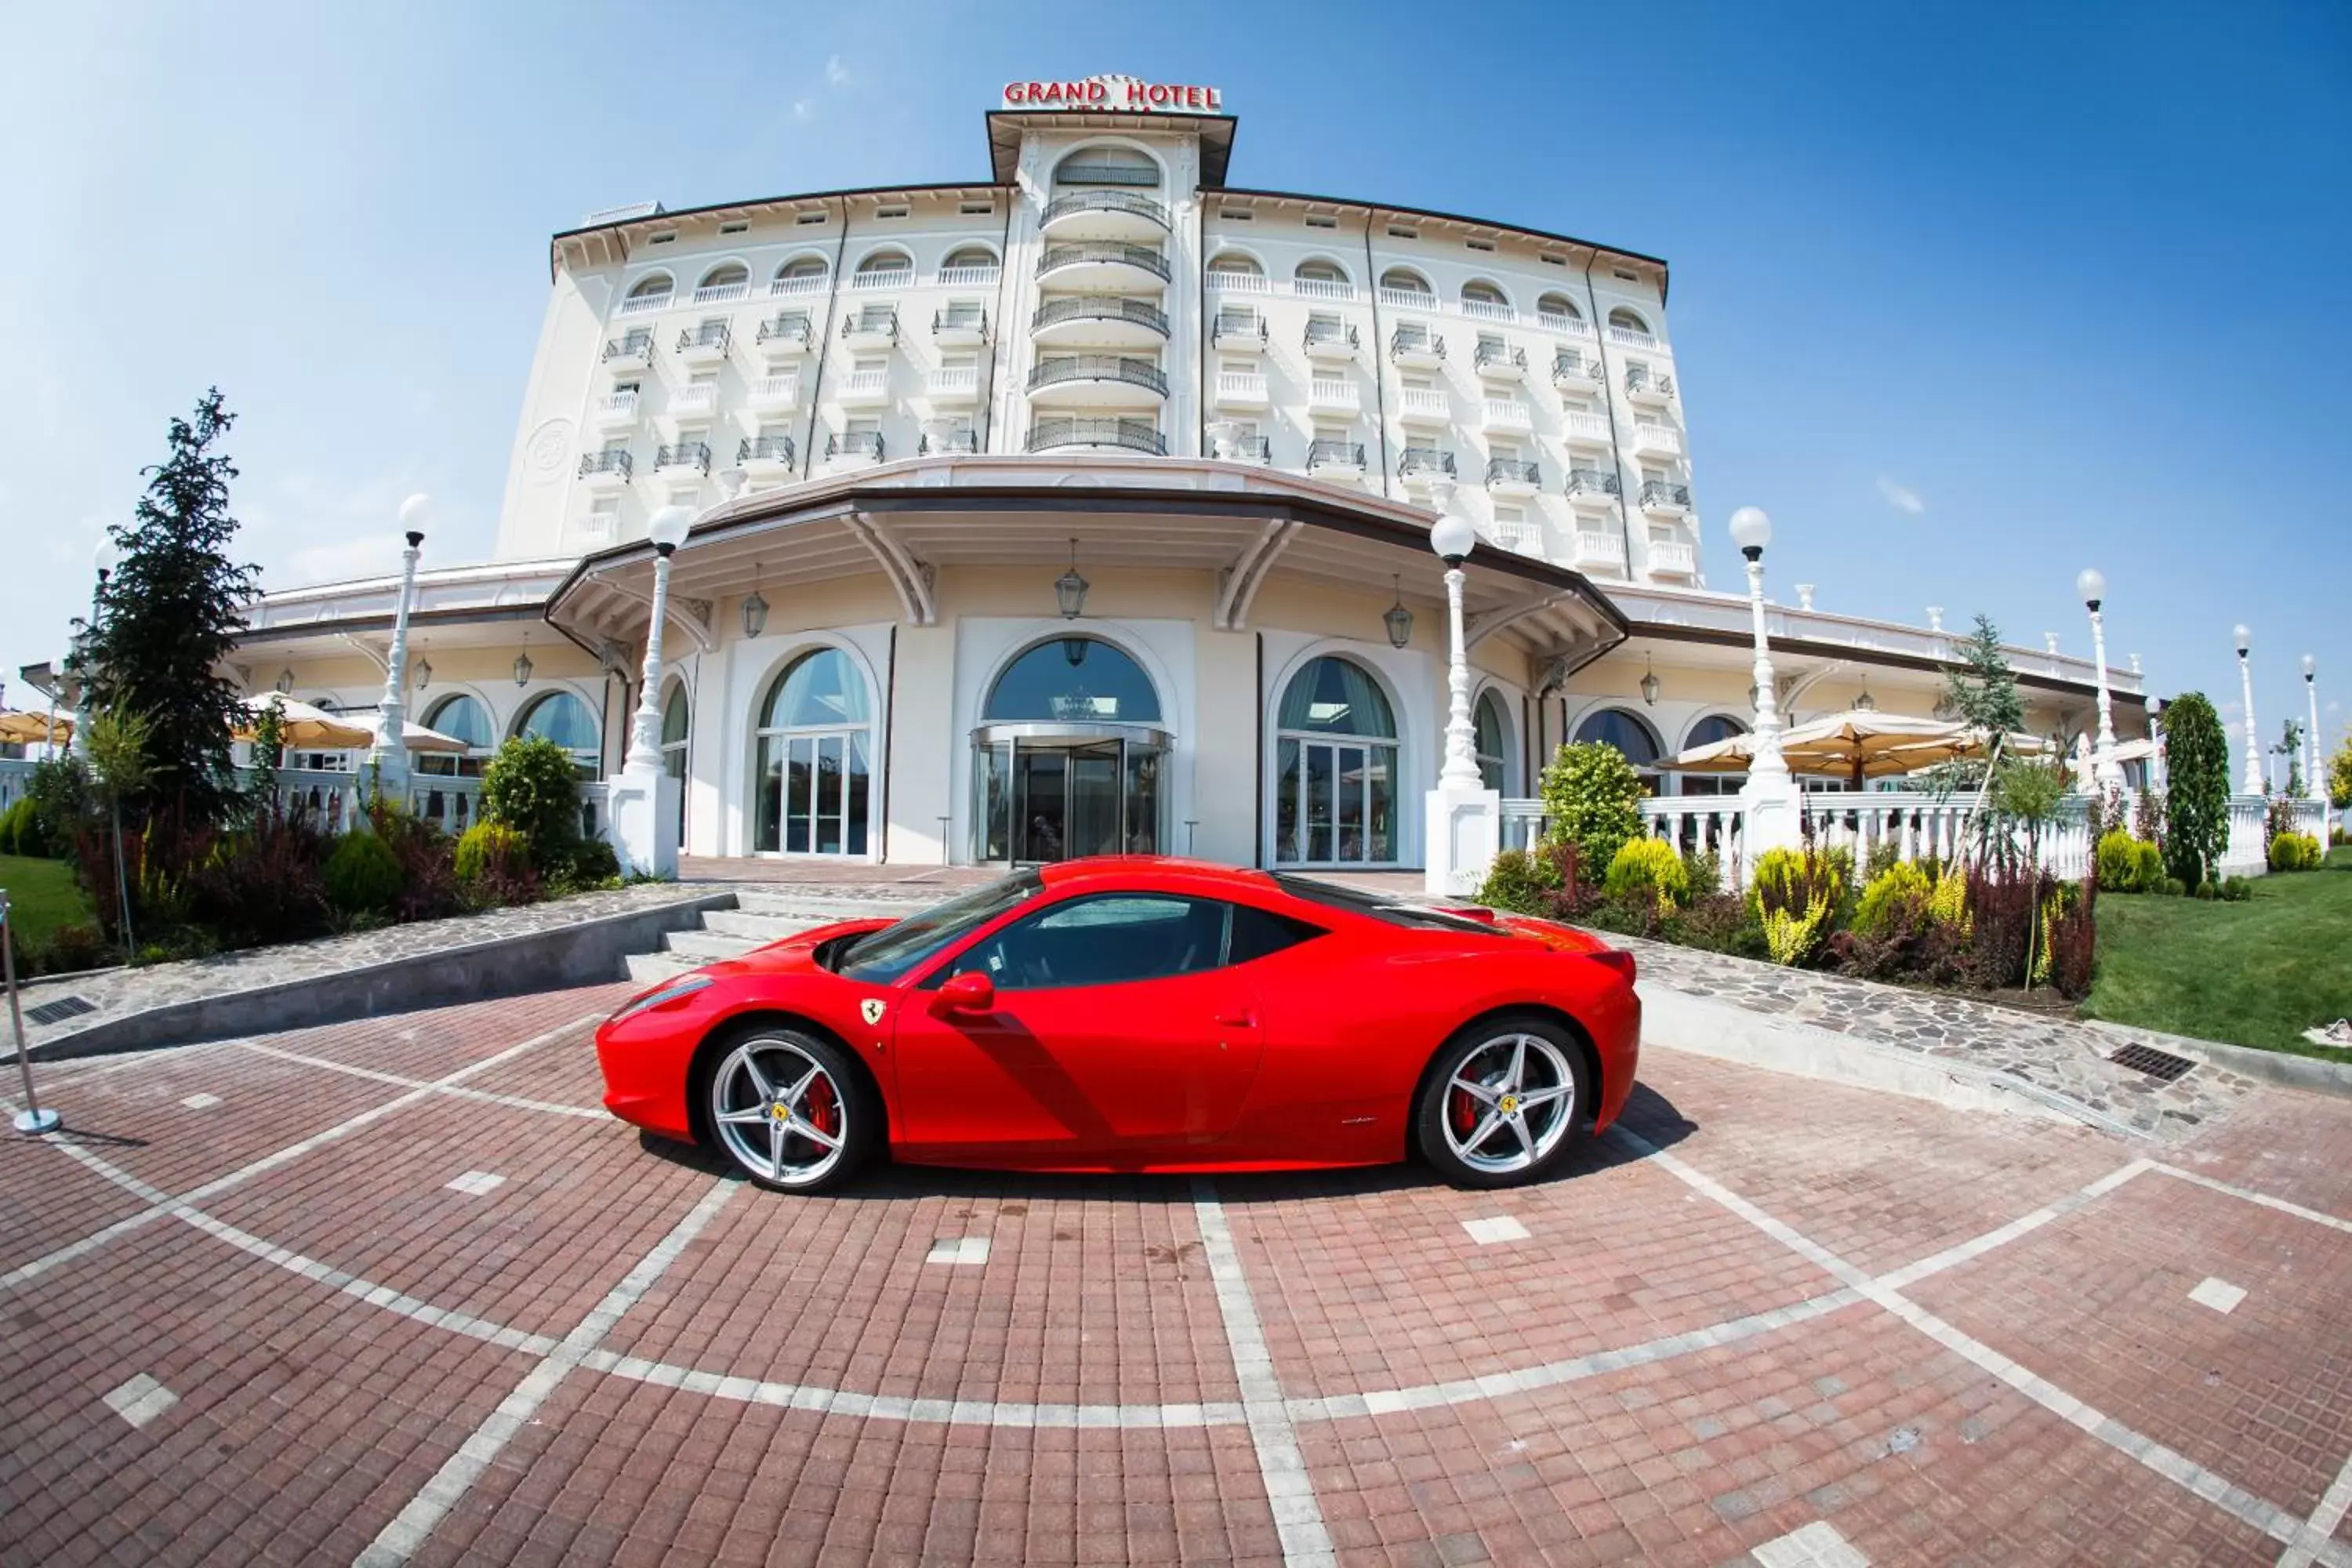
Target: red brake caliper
{"x":824,"y":1109}
{"x":1463,"y":1110}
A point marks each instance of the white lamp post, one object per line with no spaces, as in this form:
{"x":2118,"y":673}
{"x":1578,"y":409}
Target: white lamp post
{"x":2311,"y":732}
{"x":2253,"y":784}
{"x":2108,"y":772}
{"x":1452,"y":538}
{"x":1463,"y":819}
{"x":668,"y":531}
{"x":1751,"y":530}
{"x":390,"y":757}
{"x":104,"y":559}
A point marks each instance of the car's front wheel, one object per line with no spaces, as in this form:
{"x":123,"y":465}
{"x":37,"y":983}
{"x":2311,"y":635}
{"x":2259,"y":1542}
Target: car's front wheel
{"x":792,"y":1110}
{"x":1502,"y":1103}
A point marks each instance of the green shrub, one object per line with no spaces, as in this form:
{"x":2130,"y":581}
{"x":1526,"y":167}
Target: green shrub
{"x":362,"y":875}
{"x":1591,"y":799}
{"x":2235,"y":890}
{"x":22,"y":831}
{"x":1797,"y":899}
{"x":533,"y":787}
{"x":1517,"y":881}
{"x":1897,"y":902}
{"x":1705,"y":870}
{"x":1883,"y":855}
{"x":2295,"y":852}
{"x":1647,"y":868}
{"x":586,"y":866}
{"x":2117,"y":860}
{"x":72,"y":948}
{"x":1949,"y":905}
{"x":490,"y":849}
{"x":2172,"y":888}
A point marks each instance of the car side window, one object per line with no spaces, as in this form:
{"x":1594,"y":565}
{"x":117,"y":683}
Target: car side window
{"x":1109,"y":939}
{"x":1262,"y":934}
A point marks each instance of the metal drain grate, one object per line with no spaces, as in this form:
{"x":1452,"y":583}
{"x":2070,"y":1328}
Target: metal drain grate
{"x":56,"y":1012}
{"x":2151,"y":1061}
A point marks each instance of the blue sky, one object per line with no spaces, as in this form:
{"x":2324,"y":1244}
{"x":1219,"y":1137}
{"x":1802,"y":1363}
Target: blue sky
{"x":1968,"y":297}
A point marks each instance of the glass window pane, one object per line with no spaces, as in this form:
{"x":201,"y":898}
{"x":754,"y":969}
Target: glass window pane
{"x":1339,"y":697}
{"x":461,"y":718}
{"x":1351,"y":814}
{"x":674,"y":717}
{"x":1285,"y":801}
{"x":798,"y":794}
{"x":822,"y":688}
{"x":1074,"y":681}
{"x":1112,"y":940}
{"x":1320,"y":791}
{"x":1622,"y":730}
{"x":768,"y":794}
{"x":994,"y":828}
{"x":859,"y":785}
{"x":564,"y":719}
{"x":828,"y":795}
{"x":1380,"y":825}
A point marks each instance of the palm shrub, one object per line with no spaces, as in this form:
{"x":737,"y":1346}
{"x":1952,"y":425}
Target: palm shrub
{"x":532,"y":785}
{"x":1648,"y":871}
{"x":1591,"y":799}
{"x":2197,"y":792}
{"x":362,"y":875}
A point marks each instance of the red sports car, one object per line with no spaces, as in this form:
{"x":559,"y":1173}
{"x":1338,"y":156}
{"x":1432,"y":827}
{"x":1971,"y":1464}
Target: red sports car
{"x":1138,"y":1013}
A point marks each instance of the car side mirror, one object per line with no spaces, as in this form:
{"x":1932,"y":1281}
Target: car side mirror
{"x":971,"y":992}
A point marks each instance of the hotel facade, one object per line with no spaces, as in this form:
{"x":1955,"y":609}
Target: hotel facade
{"x":1086,"y":506}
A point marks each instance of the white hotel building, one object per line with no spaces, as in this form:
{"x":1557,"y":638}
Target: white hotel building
{"x":911,"y":419}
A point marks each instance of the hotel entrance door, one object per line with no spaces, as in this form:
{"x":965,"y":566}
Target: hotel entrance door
{"x":1054,"y":792}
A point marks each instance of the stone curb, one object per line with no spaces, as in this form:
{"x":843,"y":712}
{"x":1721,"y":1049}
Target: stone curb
{"x":587,"y":953}
{"x":2283,"y":1068}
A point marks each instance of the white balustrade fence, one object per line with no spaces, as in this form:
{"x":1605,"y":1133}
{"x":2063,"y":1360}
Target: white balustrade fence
{"x":16,"y":776}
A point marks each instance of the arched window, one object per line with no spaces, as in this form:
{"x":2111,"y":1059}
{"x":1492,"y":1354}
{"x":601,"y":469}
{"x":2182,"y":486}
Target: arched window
{"x":677,"y":720}
{"x":650,"y":291}
{"x":884,"y":262}
{"x":1492,"y":740}
{"x":1629,"y":735}
{"x":461,"y":718}
{"x":801,"y":272}
{"x":1107,"y":166}
{"x":1405,"y":280}
{"x":1557,"y":308}
{"x":1334,"y":768}
{"x":1073,"y":681}
{"x":1315,"y":270}
{"x":968,"y":256}
{"x":1479,"y":291}
{"x":1705,"y":733}
{"x":1629,"y":320}
{"x":1235,"y":264}
{"x":726,"y":276}
{"x":815,"y":785}
{"x":561,"y":717}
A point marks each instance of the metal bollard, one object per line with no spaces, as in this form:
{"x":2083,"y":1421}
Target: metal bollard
{"x":32,"y":1119}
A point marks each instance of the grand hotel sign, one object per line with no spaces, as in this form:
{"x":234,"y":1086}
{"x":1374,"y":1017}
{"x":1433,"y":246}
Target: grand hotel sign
{"x":1116,"y":94}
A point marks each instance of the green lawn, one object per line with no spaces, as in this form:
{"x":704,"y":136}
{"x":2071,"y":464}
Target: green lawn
{"x":2256,"y":973}
{"x":41,"y":897}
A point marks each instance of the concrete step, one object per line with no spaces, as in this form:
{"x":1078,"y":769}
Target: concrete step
{"x":760,"y":927}
{"x":814,"y":907}
{"x":702,"y":946}
{"x":644,"y":968}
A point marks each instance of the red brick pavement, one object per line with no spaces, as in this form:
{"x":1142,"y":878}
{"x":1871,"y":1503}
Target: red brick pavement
{"x":307,"y":1418}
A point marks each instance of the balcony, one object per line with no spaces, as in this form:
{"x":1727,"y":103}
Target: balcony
{"x":1231,"y":280}
{"x":960,"y":327}
{"x":1663,"y":498}
{"x":1671,"y":558}
{"x":1416,"y":348}
{"x":871,"y":327}
{"x":684,"y":457}
{"x":1117,"y":434}
{"x":1102,"y":267}
{"x":1421,"y":467}
{"x":953,"y":386}
{"x":772,"y":392}
{"x":1425,"y":405}
{"x":1333,"y":395}
{"x":1407,"y":299}
{"x":1256,"y":449}
{"x":785,"y":334}
{"x":1488,"y":310}
{"x":1507,"y":413}
{"x":1239,"y":332}
{"x":765,"y":457}
{"x":1596,"y":552}
{"x":964,"y":443}
{"x":899,"y":277}
{"x":645,"y":304}
{"x":1500,"y":361}
{"x":616,"y":411}
{"x":968,"y":277}
{"x":1104,"y":214}
{"x":722,"y":293}
{"x":1584,"y":429}
{"x":1627,"y":338}
{"x":800,"y":283}
{"x":1593,"y":490}
{"x":1241,"y":389}
{"x":1105,"y":321}
{"x":1332,"y":289}
{"x":1572,"y":372}
{"x":698,"y":401}
{"x":1112,"y":381}
{"x":605,"y":470}
{"x":1336,"y":459}
{"x":853,"y":450}
{"x":869,"y":387}
{"x":1653,"y":440}
{"x":1510,"y":477}
{"x":632,"y":353}
{"x":1649,"y":389}
{"x":1567,"y":326}
{"x":1517,"y":535}
{"x":1331,"y":341}
{"x":705,"y":344}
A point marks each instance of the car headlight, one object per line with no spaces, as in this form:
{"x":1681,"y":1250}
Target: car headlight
{"x":685,"y":986}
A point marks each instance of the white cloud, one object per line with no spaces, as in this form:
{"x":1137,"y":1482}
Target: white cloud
{"x":1901,"y":497}
{"x":836,"y":75}
{"x":803,"y":109}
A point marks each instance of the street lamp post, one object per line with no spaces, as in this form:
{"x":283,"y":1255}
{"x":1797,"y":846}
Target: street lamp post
{"x":1463,"y":819}
{"x":2108,"y":772}
{"x":643,"y":798}
{"x":1751,"y":530}
{"x":1452,"y":538}
{"x":2311,"y":732}
{"x":668,"y":531}
{"x":2253,"y":784}
{"x":389,"y":754}
{"x":104,"y":559}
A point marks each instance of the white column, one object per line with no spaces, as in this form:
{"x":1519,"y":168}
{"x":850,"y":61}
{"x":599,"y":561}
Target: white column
{"x":2104,"y":766}
{"x":389,"y":756}
{"x":2253,"y":783}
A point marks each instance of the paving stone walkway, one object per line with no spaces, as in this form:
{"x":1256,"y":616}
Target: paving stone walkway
{"x":399,"y":1291}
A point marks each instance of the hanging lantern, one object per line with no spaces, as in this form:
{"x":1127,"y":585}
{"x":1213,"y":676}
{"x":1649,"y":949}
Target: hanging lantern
{"x":1865,"y":703}
{"x":1074,"y":650}
{"x":1070,"y":589}
{"x":523,"y":667}
{"x":424,"y":674}
{"x":1399,"y":618}
{"x":285,"y":683}
{"x":1649,"y":682}
{"x":755,"y":608}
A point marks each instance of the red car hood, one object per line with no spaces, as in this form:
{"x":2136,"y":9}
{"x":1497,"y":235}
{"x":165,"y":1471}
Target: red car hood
{"x":795,"y":954}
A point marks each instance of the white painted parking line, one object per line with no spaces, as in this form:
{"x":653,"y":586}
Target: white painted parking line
{"x":474,"y":1183}
{"x":519,"y":1103}
{"x":2319,"y":1530}
{"x":970,"y":1250}
{"x":1817,"y":1546}
{"x":2252,"y":1196}
{"x":140,"y":1400}
{"x":201,"y":1101}
{"x":2218,"y":1294}
{"x":1502,"y":1228}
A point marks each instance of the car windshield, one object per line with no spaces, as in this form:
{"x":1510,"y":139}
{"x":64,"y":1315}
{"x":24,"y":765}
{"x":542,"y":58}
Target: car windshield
{"x":886,"y":954}
{"x":1391,"y":912}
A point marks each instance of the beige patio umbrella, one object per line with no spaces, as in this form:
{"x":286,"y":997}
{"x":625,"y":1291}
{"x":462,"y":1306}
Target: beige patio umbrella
{"x":34,"y":730}
{"x":415,"y":737}
{"x":1861,"y":745}
{"x":307,"y":728}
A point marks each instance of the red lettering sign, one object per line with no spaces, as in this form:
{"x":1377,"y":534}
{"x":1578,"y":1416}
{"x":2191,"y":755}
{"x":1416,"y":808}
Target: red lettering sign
{"x":1098,"y":92}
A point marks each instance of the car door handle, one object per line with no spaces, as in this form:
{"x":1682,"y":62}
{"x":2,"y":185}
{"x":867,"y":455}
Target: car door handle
{"x":1237,"y":1020}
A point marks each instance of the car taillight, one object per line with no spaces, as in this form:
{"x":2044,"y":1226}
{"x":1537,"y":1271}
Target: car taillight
{"x":1615,"y":958}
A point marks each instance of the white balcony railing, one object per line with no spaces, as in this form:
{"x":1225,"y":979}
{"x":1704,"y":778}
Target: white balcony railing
{"x":722,"y":293}
{"x":1587,"y":428}
{"x":1322,"y":288}
{"x":620,"y":408}
{"x":1330,"y":393}
{"x":954,"y":382}
{"x":967,"y":277}
{"x":883,"y":278}
{"x":1240,"y":283}
{"x":867,"y":384}
{"x":1240,"y":386}
{"x":1425,"y":403}
{"x":701,"y":398}
{"x":811,"y":283}
{"x":1600,"y":550}
{"x":1488,"y":310}
{"x":1567,"y":326}
{"x":1657,"y":440}
{"x":1626,"y":337}
{"x":1408,"y":299}
{"x":641,"y":304}
{"x":1673,"y":557}
{"x":1508,"y":414}
{"x":775,"y":392}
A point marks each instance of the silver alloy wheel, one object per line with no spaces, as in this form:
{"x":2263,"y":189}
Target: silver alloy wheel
{"x":779,"y":1112}
{"x":1510,"y":1103}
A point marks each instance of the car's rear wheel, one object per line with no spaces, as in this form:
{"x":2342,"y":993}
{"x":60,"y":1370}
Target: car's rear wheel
{"x":792,"y":1110}
{"x":1502,"y":1102}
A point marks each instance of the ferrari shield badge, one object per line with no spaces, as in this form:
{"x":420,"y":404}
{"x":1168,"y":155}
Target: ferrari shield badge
{"x":872,"y":1009}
